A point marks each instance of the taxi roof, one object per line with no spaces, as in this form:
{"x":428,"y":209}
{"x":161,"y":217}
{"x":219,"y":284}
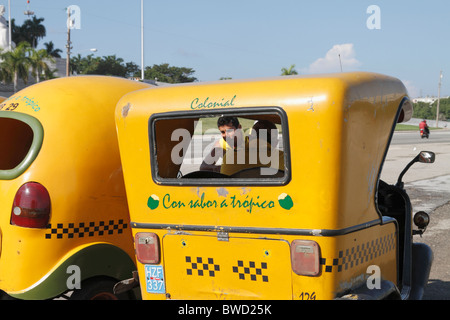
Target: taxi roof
{"x":297,"y":93}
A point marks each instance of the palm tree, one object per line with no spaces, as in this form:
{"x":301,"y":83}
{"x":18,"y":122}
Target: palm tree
{"x":4,"y":74}
{"x":17,"y":33}
{"x":34,"y":29}
{"x":84,"y":65}
{"x":75,"y":64}
{"x":51,"y":50}
{"x":15,"y":64}
{"x":111,"y":66}
{"x":31,"y":31}
{"x":288,"y":72}
{"x":39,"y":63}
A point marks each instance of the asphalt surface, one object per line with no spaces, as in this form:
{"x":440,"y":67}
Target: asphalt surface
{"x":428,"y":186}
{"x":437,"y":237}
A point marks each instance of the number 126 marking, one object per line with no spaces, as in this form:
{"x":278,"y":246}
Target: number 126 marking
{"x":307,"y":296}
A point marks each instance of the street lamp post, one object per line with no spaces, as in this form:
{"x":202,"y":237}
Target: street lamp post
{"x":68,"y":45}
{"x":439,"y":98}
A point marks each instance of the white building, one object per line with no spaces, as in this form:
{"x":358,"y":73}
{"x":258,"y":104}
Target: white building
{"x":429,"y":100}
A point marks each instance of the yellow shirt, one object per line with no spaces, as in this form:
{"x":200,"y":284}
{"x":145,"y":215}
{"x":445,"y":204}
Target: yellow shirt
{"x":247,"y":156}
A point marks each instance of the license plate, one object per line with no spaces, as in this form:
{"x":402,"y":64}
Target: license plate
{"x":200,"y":267}
{"x":154,"y":276}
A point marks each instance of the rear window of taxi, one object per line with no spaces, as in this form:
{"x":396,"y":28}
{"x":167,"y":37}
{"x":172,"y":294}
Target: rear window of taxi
{"x":257,"y":152}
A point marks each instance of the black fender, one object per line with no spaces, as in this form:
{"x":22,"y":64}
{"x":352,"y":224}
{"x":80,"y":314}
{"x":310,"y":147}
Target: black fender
{"x":422,"y":259}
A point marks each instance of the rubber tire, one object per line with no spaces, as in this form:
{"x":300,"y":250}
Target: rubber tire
{"x":98,"y":289}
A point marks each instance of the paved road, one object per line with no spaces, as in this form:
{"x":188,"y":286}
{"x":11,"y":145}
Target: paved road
{"x":406,"y":145}
{"x":428,"y":186}
{"x":412,"y":137}
{"x":437,"y":237}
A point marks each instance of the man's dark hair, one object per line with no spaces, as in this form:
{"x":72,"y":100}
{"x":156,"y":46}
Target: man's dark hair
{"x":268,"y":126}
{"x":225,"y":120}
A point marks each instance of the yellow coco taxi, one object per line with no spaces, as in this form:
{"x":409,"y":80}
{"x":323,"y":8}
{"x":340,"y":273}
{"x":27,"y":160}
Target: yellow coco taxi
{"x":269,"y":189}
{"x":64,"y":215}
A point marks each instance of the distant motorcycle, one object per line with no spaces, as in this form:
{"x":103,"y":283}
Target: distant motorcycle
{"x":424,"y":133}
{"x":424,"y":130}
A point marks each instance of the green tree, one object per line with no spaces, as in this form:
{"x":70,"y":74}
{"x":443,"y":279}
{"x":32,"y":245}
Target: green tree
{"x":111,"y":66}
{"x":31,"y":31}
{"x":4,"y":74}
{"x":84,"y":65}
{"x":423,"y":110}
{"x":51,"y":50}
{"x":290,"y":71}
{"x":108,"y":65}
{"x":428,"y":111}
{"x":15,"y":64}
{"x":17,"y":33}
{"x":170,"y":74}
{"x":115,"y":66}
{"x":35,"y":30}
{"x":132,"y":69}
{"x":39,"y":60}
{"x":444,"y":109}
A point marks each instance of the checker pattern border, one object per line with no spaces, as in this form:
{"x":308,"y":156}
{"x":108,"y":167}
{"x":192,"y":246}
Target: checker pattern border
{"x":201,"y":266}
{"x":251,"y":270}
{"x":88,"y":229}
{"x":359,"y":254}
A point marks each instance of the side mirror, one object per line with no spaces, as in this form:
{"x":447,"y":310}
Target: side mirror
{"x":423,"y":156}
{"x":426,"y":157}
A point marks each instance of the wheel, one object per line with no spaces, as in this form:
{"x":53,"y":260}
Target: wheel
{"x":97,"y":289}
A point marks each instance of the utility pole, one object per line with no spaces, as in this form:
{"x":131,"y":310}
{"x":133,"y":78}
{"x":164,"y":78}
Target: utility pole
{"x":439,"y":98}
{"x":9,"y":26}
{"x":69,"y":24}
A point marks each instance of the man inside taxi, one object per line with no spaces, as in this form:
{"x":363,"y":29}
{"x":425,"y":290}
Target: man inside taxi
{"x":240,"y":152}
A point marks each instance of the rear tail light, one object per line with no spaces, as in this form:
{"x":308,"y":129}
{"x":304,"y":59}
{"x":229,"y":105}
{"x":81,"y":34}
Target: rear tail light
{"x":147,"y":247}
{"x":305,"y":257}
{"x":31,"y":206}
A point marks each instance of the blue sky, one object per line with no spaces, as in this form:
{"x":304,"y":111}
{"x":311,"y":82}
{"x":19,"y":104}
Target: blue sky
{"x":256,"y":38}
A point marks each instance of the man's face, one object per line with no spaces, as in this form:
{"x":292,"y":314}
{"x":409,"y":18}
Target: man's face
{"x":232,"y":135}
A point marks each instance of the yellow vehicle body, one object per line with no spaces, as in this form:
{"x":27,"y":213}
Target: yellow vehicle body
{"x":236,"y":238}
{"x":73,"y":153}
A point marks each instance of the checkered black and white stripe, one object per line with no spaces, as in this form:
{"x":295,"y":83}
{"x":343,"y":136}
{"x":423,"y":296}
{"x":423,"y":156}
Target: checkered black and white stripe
{"x":202,"y":266}
{"x":250,"y":271}
{"x":85,"y":229}
{"x":359,"y":254}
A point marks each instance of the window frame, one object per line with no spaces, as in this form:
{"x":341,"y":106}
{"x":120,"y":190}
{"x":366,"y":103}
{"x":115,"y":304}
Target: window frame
{"x":254,"y":111}
{"x":38,"y":137}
